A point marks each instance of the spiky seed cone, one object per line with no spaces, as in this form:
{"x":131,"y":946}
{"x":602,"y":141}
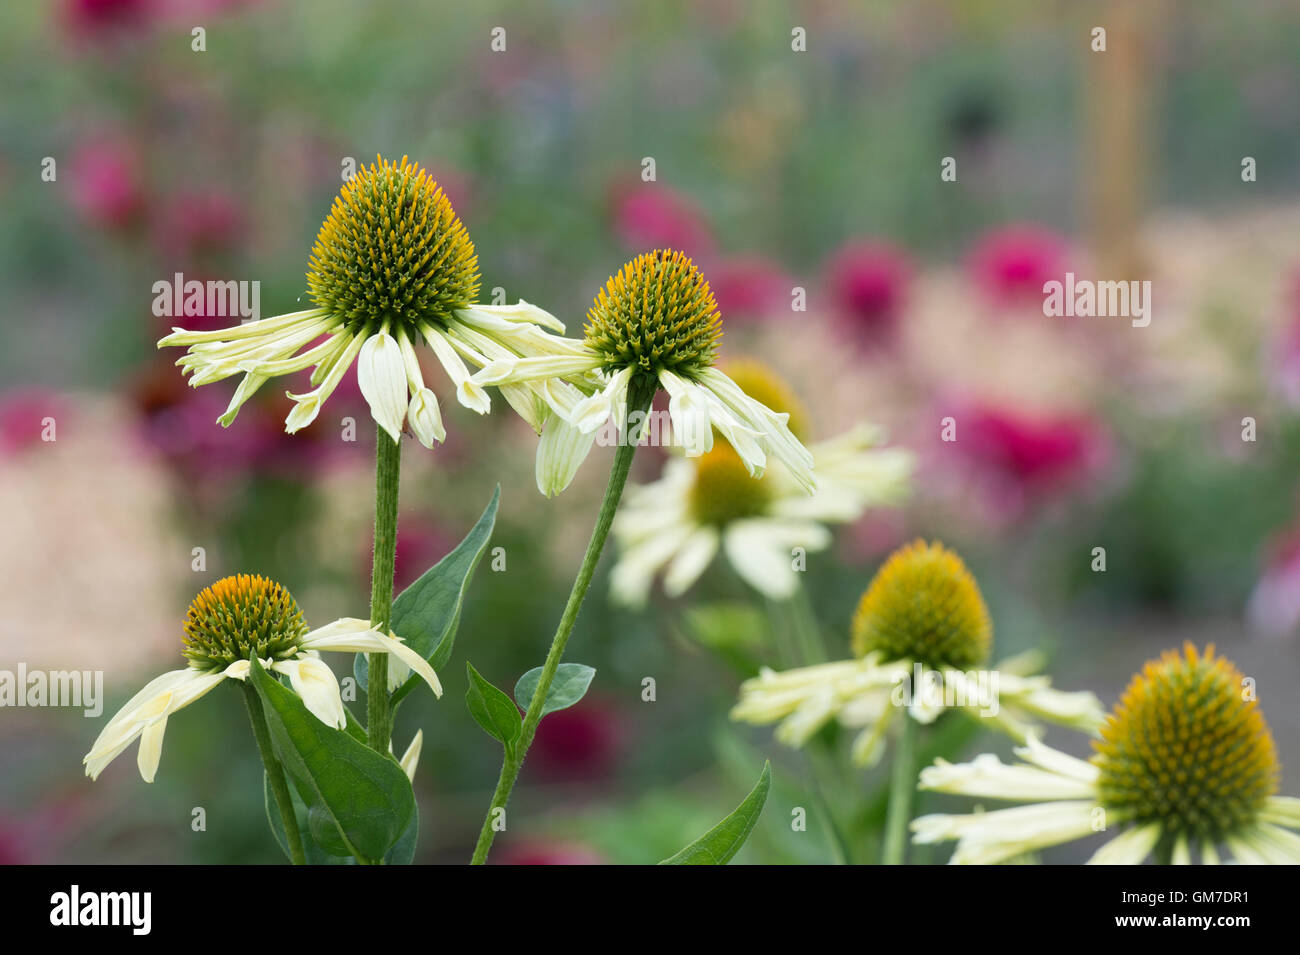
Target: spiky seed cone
{"x":1185,"y":748}
{"x":766,"y":387}
{"x":392,"y":249}
{"x":239,"y":615}
{"x":924,"y":605}
{"x":723,"y":490}
{"x":657,"y":313}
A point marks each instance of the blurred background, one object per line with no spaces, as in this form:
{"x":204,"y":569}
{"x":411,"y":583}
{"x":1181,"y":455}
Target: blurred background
{"x":775,"y":169}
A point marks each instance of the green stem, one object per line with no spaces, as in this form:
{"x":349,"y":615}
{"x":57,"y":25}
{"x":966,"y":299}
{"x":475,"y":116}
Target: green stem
{"x":901,"y":788}
{"x":640,"y":394}
{"x":807,"y":632}
{"x":388,"y":467}
{"x":274,"y":775}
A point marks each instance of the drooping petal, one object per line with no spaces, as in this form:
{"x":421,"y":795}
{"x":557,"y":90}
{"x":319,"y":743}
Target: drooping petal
{"x":560,"y":452}
{"x":150,"y":752}
{"x":316,"y":684}
{"x":688,"y":407}
{"x":382,"y":377}
{"x":987,"y":777}
{"x":426,"y":419}
{"x":351,"y":635}
{"x":468,"y":392}
{"x":694,"y":557}
{"x":307,"y":406}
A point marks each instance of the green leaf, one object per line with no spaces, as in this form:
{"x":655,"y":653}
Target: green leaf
{"x":365,"y":795}
{"x":314,"y":853}
{"x":568,"y":687}
{"x":427,"y":613}
{"x":492,"y":709}
{"x":719,"y":844}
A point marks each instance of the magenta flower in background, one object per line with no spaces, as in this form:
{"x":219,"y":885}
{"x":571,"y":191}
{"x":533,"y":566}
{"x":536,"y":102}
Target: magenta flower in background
{"x":1274,"y":605}
{"x":105,"y":19}
{"x":197,"y":225}
{"x":1010,"y":264}
{"x":1018,"y":460}
{"x":868,"y":284}
{"x":1287,"y":350}
{"x":106,"y":189}
{"x":653,"y":216}
{"x":22,"y":417}
{"x":547,"y":853}
{"x":578,"y":743}
{"x":750,"y":287}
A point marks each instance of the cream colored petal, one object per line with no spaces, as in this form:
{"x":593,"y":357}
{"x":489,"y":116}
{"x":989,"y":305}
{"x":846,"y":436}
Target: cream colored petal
{"x":426,"y":419}
{"x":987,"y":777}
{"x":986,"y":838}
{"x":382,"y":377}
{"x":688,"y":408}
{"x":1130,"y":847}
{"x":560,"y":452}
{"x":150,"y":752}
{"x":316,"y":685}
{"x":411,"y":758}
{"x":691,"y":561}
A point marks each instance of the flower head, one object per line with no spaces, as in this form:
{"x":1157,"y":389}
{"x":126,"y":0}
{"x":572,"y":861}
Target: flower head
{"x":919,"y":631}
{"x":1185,"y":762}
{"x":654,"y":325}
{"x":392,"y":267}
{"x":226,"y":625}
{"x":657,"y":314}
{"x":924,"y":605}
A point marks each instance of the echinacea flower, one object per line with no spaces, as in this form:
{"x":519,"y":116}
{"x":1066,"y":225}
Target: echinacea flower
{"x":226,"y":624}
{"x":655,"y":324}
{"x":919,"y":633}
{"x":704,"y":505}
{"x":392,"y":267}
{"x":1185,"y":764}
{"x":869,"y":286}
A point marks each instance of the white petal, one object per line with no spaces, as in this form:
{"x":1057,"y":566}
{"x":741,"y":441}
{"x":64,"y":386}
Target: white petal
{"x":425,"y":418}
{"x":316,"y":684}
{"x":468,"y":393}
{"x":382,"y":377}
{"x":150,"y":753}
{"x":987,"y":777}
{"x":411,"y":758}
{"x":560,"y":452}
{"x":351,"y":635}
{"x":308,"y":405}
{"x":691,"y":561}
{"x":992,"y":837}
{"x":688,"y":407}
{"x":1129,"y":847}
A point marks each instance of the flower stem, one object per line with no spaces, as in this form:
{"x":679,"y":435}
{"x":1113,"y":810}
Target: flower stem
{"x":901,"y":787}
{"x":388,"y":467}
{"x":274,"y":775}
{"x":640,"y":394}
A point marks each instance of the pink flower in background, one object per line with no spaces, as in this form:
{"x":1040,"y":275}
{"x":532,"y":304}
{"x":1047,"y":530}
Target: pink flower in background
{"x":1011,"y":263}
{"x":581,"y":742}
{"x":1018,"y":459}
{"x":653,"y":216}
{"x":106,"y":187}
{"x":195,"y":225}
{"x":1274,"y":605}
{"x":1287,"y":361}
{"x":749,"y":287}
{"x":547,"y":853}
{"x":420,"y":545}
{"x":23,"y":414}
{"x":98,"y":19}
{"x":868,"y":283}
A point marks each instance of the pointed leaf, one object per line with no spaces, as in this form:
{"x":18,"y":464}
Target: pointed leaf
{"x":366,"y":795}
{"x":492,"y":709}
{"x":723,"y":841}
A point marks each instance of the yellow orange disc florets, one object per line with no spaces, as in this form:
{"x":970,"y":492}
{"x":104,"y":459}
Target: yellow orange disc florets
{"x":924,"y":605}
{"x":240,"y":615}
{"x":1187,"y":747}
{"x":392,"y":250}
{"x":724,"y":491}
{"x":657,"y":314}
